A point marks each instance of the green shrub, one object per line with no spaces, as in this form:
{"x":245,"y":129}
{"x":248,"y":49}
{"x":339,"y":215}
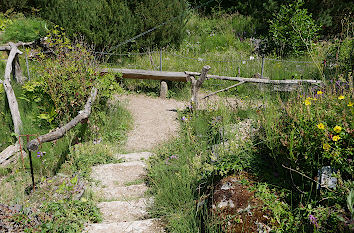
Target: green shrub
{"x":64,"y":81}
{"x":24,"y":29}
{"x":17,"y":5}
{"x":292,"y":29}
{"x":339,"y":59}
{"x":107,"y":23}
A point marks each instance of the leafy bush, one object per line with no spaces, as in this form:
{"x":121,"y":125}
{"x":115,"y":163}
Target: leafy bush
{"x":292,"y":29}
{"x":339,"y":59}
{"x":24,"y":29}
{"x":64,"y":81}
{"x":18,"y":5}
{"x":107,"y":23}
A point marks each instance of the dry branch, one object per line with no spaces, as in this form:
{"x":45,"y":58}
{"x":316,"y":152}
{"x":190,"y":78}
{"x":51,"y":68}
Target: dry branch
{"x":60,"y":132}
{"x":6,"y":156}
{"x":196,"y":84}
{"x":15,"y":113}
{"x":261,"y":81}
{"x":7,"y":47}
{"x":225,"y":89}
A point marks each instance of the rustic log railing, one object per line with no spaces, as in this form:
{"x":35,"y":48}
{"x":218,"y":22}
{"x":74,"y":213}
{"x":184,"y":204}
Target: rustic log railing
{"x":13,"y":105}
{"x":60,"y":132}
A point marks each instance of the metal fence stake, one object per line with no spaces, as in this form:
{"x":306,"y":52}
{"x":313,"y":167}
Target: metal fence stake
{"x":160,"y":59}
{"x":262,"y":67}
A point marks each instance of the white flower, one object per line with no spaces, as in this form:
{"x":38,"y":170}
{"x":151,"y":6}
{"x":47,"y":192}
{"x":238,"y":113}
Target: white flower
{"x":243,"y":62}
{"x":251,"y":57}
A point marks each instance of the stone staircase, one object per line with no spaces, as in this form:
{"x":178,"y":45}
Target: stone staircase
{"x":123,"y":190}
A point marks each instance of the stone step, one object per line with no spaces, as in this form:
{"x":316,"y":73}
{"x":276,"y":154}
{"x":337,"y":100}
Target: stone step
{"x":134,"y":156}
{"x":142,"y":226}
{"x":124,"y":211}
{"x":118,"y":174}
{"x":122,"y":193}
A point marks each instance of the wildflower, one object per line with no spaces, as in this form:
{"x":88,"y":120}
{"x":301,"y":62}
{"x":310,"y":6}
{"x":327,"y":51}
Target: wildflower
{"x":313,"y":220}
{"x":251,"y":57}
{"x":337,"y":129}
{"x":326,"y":147}
{"x":307,"y":102}
{"x":319,"y":92}
{"x":350,"y":104}
{"x":341,"y":97}
{"x":183,"y":118}
{"x":321,"y":126}
{"x":40,"y":154}
{"x":336,"y":138}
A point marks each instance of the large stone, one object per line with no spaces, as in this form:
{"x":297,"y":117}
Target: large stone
{"x":134,"y":156}
{"x":118,"y":174}
{"x":125,"y":211}
{"x":142,"y":226}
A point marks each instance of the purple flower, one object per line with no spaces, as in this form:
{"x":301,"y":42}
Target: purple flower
{"x":183,"y":118}
{"x":171,"y":157}
{"x":313,"y":220}
{"x":40,"y":154}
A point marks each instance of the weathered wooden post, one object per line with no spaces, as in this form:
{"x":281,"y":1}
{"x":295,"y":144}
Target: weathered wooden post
{"x":196,"y":85}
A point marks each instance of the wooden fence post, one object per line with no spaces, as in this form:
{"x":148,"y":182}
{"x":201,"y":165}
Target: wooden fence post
{"x":196,"y":85}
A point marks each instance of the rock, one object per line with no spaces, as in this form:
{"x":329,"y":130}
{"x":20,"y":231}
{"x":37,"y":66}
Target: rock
{"x":163,"y":90}
{"x":234,"y":204}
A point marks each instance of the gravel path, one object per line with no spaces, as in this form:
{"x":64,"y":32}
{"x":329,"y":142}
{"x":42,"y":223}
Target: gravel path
{"x":154,"y":120}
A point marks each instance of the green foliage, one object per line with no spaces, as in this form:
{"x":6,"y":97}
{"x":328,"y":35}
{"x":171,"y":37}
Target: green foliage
{"x":69,"y":216}
{"x":314,"y":131}
{"x":151,"y":13}
{"x":339,"y":59}
{"x":292,"y":29}
{"x":5,"y":19}
{"x":64,"y":82}
{"x":102,"y":23}
{"x":107,"y":23}
{"x":83,"y":156}
{"x":17,"y":5}
{"x":23,"y":29}
{"x":307,"y":132}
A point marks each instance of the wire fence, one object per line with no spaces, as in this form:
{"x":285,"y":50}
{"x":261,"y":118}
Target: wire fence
{"x":228,"y":65}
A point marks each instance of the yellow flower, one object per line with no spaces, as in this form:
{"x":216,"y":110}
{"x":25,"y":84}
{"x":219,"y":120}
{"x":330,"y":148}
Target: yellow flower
{"x":307,"y":102}
{"x":326,"y":147}
{"x":341,"y":97}
{"x":337,"y":129}
{"x":321,"y":126}
{"x":319,"y":92}
{"x":335,"y":138}
{"x":350,"y":104}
